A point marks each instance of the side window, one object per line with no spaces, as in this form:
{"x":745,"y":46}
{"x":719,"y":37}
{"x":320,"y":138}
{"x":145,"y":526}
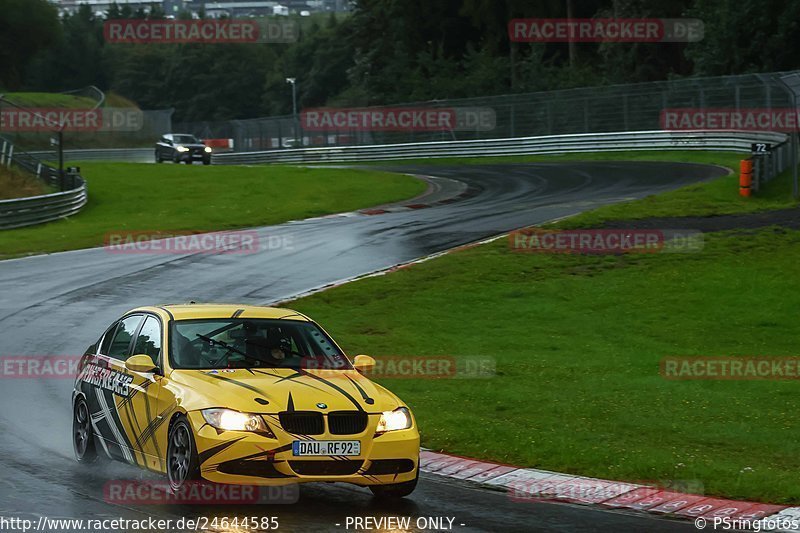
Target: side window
{"x":149,"y":340}
{"x":122,"y":337}
{"x":107,"y":339}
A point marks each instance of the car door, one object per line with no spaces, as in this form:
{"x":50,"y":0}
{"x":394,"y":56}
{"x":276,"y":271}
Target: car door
{"x":163,"y":147}
{"x":149,"y":404}
{"x":106,"y":384}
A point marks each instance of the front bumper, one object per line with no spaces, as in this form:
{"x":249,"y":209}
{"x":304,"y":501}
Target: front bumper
{"x":244,"y":458}
{"x":192,"y":155}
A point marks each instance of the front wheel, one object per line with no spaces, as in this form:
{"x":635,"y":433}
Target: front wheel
{"x":158,"y":157}
{"x":396,"y":490}
{"x":82,"y":437}
{"x":206,"y":161}
{"x":182,"y":462}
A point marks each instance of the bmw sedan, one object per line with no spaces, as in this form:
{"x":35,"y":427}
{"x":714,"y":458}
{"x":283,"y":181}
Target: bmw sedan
{"x":242,"y":395}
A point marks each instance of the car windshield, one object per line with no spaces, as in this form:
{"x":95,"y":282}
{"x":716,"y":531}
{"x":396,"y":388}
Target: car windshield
{"x":248,"y":343}
{"x":185,"y":139}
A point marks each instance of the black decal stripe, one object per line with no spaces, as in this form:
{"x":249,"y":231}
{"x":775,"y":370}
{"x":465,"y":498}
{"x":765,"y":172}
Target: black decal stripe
{"x":133,"y":422}
{"x":364,"y":395}
{"x":151,"y":428}
{"x":211,"y":452}
{"x":292,"y":377}
{"x":237,"y":313}
{"x":335,"y":387}
{"x":235,"y":382}
{"x":133,"y":391}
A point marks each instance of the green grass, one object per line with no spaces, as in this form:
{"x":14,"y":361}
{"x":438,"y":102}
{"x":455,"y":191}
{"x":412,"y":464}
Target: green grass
{"x":72,"y":101}
{"x":578,"y":340}
{"x":50,"y":100}
{"x":139,"y":197}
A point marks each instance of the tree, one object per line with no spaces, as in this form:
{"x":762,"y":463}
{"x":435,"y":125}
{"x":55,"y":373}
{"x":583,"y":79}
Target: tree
{"x":26,"y":28}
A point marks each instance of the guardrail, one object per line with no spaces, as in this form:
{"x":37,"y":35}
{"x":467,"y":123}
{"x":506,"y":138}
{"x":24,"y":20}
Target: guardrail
{"x":738,"y":141}
{"x":769,"y":165}
{"x":20,"y":212}
{"x":103,"y":154}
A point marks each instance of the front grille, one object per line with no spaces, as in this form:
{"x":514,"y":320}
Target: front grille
{"x":241,"y":467}
{"x":302,"y":422}
{"x":380,"y":467}
{"x":347,"y":422}
{"x":326,"y":468}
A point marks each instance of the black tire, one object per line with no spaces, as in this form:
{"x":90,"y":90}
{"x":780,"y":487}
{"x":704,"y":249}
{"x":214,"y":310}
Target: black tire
{"x":189,"y":161}
{"x":396,"y":490}
{"x":176,"y":159}
{"x":158,"y":157}
{"x":182,"y":462}
{"x":206,"y":161}
{"x":82,"y":437}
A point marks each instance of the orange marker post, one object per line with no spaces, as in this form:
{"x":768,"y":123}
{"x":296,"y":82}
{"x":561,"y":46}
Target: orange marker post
{"x":745,"y":177}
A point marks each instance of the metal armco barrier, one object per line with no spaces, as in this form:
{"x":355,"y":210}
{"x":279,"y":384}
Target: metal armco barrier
{"x":20,"y":212}
{"x":736,"y":141}
{"x":133,"y":155}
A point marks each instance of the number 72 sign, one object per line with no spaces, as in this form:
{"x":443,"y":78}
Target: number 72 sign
{"x":760,"y":148}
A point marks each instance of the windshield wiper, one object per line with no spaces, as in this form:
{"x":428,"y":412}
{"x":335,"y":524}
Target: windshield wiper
{"x":228,"y":347}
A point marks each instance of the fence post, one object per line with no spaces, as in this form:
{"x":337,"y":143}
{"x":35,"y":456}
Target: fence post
{"x":10,"y":156}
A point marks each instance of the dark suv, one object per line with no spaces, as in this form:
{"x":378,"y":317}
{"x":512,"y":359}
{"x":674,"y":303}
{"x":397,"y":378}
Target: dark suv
{"x":179,"y":147}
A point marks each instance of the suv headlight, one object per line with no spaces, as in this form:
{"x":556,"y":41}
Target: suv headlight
{"x":395,"y":420}
{"x":207,"y":149}
{"x":230,"y":420}
{"x":182,"y":149}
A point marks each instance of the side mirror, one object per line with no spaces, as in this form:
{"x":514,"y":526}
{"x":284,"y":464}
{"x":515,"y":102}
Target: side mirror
{"x":140,"y":363}
{"x":364,"y":363}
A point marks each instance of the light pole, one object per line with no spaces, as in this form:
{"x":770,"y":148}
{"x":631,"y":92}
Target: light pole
{"x":294,"y":105}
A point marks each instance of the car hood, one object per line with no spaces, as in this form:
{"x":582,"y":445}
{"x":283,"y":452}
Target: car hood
{"x":272,"y":390}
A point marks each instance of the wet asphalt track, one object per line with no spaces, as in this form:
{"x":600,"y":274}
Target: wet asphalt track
{"x":58,"y":304}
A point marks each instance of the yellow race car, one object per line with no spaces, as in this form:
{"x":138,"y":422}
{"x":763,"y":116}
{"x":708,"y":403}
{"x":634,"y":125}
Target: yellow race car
{"x":243,"y":395}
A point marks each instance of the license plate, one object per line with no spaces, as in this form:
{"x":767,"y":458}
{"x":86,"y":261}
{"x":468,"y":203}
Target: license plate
{"x":326,"y":447}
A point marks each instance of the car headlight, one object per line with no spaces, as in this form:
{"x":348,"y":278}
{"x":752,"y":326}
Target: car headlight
{"x":230,"y":420}
{"x":207,"y":149}
{"x":182,"y":149}
{"x":395,"y":420}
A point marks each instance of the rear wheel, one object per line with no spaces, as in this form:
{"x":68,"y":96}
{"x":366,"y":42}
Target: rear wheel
{"x":182,"y":462}
{"x":395,"y":490}
{"x":82,"y":437}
